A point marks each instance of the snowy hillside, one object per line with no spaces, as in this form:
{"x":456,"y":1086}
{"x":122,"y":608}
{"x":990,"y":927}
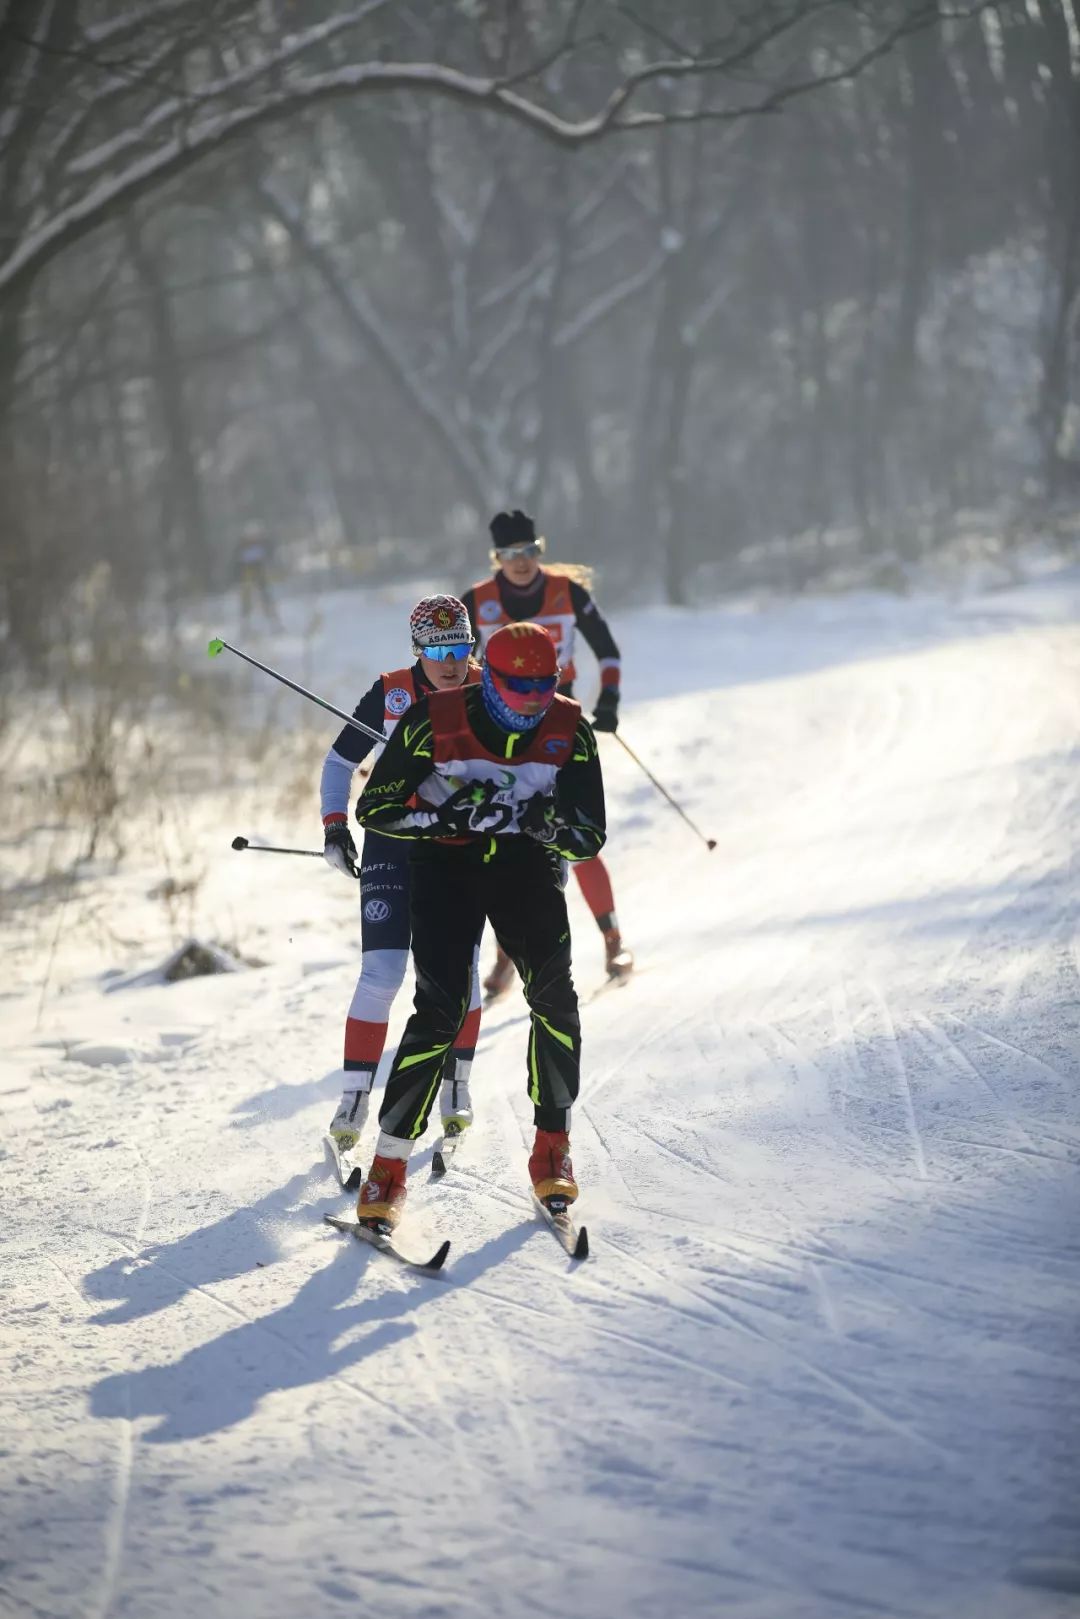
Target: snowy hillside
{"x":822,"y":1361}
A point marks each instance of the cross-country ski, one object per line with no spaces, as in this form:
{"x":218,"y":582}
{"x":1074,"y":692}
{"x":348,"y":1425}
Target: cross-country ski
{"x":383,"y":1240}
{"x":574,"y":1238}
{"x":348,"y":1171}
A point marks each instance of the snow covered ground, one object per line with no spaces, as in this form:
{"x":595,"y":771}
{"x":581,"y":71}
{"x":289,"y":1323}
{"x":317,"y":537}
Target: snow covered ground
{"x":822,"y":1362}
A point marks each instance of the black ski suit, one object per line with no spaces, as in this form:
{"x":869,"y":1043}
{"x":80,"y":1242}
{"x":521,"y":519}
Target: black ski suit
{"x":493,"y":868}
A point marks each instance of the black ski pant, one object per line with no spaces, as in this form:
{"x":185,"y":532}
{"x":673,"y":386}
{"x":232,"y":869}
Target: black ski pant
{"x":520,"y":893}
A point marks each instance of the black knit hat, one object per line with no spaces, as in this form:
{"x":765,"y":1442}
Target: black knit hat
{"x":512,"y":528}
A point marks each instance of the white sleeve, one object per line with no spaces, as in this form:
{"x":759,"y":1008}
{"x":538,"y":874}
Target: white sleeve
{"x":334,"y":786}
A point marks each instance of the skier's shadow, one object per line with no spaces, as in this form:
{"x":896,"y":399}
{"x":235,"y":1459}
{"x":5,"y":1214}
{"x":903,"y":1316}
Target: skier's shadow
{"x":165,"y":1272}
{"x":218,"y":1384}
{"x":286,"y":1101}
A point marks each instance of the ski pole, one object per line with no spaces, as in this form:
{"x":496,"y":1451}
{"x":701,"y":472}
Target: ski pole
{"x":217,"y":647}
{"x":710,"y":843}
{"x":270,"y":848}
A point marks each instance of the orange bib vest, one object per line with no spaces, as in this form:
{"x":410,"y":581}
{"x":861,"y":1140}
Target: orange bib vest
{"x":556,"y":614}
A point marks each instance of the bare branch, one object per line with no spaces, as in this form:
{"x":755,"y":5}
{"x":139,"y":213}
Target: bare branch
{"x":612,"y":298}
{"x":212,"y":131}
{"x":565,"y":48}
{"x":356,"y":306}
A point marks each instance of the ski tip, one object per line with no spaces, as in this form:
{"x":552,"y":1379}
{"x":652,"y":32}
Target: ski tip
{"x":581,"y":1247}
{"x":355,"y":1180}
{"x":337,"y":1222}
{"x":438,"y":1164}
{"x":438,"y":1259}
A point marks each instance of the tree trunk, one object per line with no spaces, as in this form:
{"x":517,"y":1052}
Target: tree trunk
{"x":188,"y":543}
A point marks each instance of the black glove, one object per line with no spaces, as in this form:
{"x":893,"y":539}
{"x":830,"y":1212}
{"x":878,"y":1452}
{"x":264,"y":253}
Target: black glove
{"x":339,"y":850}
{"x":451,"y":820}
{"x":606,"y":717}
{"x":472,"y":810}
{"x":539,"y":818}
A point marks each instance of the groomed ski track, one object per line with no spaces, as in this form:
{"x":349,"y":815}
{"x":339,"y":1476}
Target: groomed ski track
{"x":822,"y":1360}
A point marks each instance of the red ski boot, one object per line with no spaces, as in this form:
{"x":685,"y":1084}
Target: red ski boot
{"x":550,"y":1169}
{"x":383,"y":1193}
{"x":617,"y":959}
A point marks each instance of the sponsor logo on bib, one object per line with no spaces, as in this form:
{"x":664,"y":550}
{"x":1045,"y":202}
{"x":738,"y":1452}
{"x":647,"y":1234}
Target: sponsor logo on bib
{"x":489,"y":610}
{"x":397,"y":700}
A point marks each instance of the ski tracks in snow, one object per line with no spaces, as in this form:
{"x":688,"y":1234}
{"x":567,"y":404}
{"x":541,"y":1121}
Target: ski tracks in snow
{"x":116,"y":1522}
{"x":823,"y":1141}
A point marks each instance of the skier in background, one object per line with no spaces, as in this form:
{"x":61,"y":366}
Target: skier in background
{"x":558,"y":598}
{"x":495,"y":786}
{"x":442,"y":642}
{"x":253,"y":576}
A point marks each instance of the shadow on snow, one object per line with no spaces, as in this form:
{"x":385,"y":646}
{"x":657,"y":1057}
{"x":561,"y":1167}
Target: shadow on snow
{"x":219,"y":1384}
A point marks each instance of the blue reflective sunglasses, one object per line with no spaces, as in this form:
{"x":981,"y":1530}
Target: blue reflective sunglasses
{"x":458,"y":652}
{"x":524,"y":685}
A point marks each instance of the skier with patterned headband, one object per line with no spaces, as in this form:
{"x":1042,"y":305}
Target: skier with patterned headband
{"x":556,"y":597}
{"x":442,"y":641}
{"x":495,"y":786}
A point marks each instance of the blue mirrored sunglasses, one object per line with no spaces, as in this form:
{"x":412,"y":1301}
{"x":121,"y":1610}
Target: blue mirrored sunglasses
{"x":458,"y":652}
{"x":523,"y":685}
{"x":506,"y":553}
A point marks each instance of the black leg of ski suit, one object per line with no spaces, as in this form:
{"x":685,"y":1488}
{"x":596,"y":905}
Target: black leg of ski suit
{"x":519,"y":892}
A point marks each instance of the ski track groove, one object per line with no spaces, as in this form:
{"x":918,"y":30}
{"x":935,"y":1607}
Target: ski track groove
{"x":844,"y":1028}
{"x":1025,"y":1154}
{"x":664,"y":1032}
{"x":582,"y":1110}
{"x":666,"y":1279}
{"x":862,"y":1603}
{"x":880,"y":1274}
{"x":941,"y":1044}
{"x":642,"y":1344}
{"x":718,"y":1246}
{"x":825,"y":1302}
{"x":900,"y":1070}
{"x":942,"y":1048}
{"x":491,"y":1189}
{"x":805,"y":1070}
{"x":114,"y":1532}
{"x":496,"y":1357}
{"x":1019,"y":1051}
{"x":432,"y":1381}
{"x":832,"y":1379}
{"x":26,"y":1609}
{"x":732,"y":1318}
{"x":828,"y":1253}
{"x":869,"y":1273}
{"x":684,"y":1159}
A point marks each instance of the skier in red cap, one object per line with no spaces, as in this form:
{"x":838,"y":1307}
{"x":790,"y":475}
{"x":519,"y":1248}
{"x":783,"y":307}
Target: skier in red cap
{"x":557,"y":596}
{"x":508,"y":788}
